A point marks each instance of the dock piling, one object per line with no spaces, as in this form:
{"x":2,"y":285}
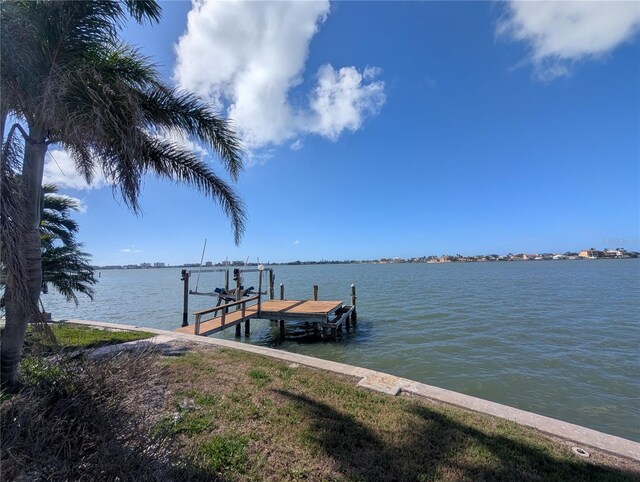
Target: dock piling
{"x":260,"y":271}
{"x":272,"y":280}
{"x":315,"y":292}
{"x":353,"y":302}
{"x":282,"y":291}
{"x":185,"y":305}
{"x":238,"y":280}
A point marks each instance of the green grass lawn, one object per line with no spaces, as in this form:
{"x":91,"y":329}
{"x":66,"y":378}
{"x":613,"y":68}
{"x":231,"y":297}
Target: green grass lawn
{"x":70,"y":337}
{"x":207,"y":413}
{"x":248,"y":417}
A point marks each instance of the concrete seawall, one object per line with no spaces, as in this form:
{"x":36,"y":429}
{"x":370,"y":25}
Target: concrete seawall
{"x":393,"y":385}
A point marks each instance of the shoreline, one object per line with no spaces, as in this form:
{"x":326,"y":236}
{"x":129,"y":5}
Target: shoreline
{"x":193,"y":266}
{"x":393,"y":385}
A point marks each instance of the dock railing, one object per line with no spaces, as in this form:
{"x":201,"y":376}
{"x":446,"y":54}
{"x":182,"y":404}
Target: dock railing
{"x":243,"y":303}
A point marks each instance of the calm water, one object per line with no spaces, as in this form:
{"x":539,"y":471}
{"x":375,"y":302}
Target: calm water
{"x":559,"y":338}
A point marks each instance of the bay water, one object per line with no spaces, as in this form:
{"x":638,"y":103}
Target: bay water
{"x":558,"y":338}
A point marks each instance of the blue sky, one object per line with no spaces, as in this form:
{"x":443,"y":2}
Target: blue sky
{"x":395,"y":129}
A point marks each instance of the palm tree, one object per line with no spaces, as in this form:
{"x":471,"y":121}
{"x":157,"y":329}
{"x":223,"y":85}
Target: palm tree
{"x":68,"y":80}
{"x":64,"y":265}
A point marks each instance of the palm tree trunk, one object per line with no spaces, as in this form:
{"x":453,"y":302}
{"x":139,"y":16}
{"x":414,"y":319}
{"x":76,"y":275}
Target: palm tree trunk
{"x":22,"y":308}
{"x":18,"y":316}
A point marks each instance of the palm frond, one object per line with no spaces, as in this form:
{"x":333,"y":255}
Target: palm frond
{"x":60,"y":203}
{"x":185,"y":112}
{"x":143,"y":10}
{"x":68,"y":269}
{"x":64,"y":264}
{"x":58,"y":228}
{"x":14,"y":266}
{"x":170,"y":160}
{"x":43,"y":41}
{"x":124,"y":63}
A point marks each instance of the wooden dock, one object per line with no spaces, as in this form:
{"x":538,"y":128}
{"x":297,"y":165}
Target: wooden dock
{"x":328,"y":316}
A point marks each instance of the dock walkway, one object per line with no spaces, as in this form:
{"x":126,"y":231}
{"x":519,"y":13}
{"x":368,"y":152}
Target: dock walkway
{"x":327,"y":315}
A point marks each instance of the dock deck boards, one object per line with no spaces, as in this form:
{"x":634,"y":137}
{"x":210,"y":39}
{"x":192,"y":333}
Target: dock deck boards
{"x":272,"y":309}
{"x":298,"y":309}
{"x":215,"y":324}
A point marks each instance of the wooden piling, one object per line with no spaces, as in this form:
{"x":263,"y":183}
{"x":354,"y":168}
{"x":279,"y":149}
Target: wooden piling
{"x":247,"y":328}
{"x":185,"y":305}
{"x":353,"y":302}
{"x":315,"y":292}
{"x":238,"y":290}
{"x":238,"y":295}
{"x":226,"y":286}
{"x":282,"y":321}
{"x":272,"y":280}
{"x":260,"y":271}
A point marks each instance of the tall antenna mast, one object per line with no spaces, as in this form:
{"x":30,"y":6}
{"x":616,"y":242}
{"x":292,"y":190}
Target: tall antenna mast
{"x":201,"y":259}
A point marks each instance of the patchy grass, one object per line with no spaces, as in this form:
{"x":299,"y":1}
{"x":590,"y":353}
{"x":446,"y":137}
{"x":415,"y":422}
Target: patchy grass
{"x":226,"y":453}
{"x":259,"y":377}
{"x":276,"y":421}
{"x":72,"y":337}
{"x":219,"y":414}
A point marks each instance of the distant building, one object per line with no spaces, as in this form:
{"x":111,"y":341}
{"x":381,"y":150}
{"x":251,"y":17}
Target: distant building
{"x":615,"y":253}
{"x":146,"y":265}
{"x":590,"y":253}
{"x":159,"y":265}
{"x":208,"y":263}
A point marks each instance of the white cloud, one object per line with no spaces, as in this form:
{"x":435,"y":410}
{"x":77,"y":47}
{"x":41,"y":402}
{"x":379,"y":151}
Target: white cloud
{"x":559,"y":33}
{"x":130,"y":250}
{"x":60,"y":169}
{"x":296,"y":242}
{"x":246,"y":57}
{"x":341,"y":100}
{"x":297,"y":145}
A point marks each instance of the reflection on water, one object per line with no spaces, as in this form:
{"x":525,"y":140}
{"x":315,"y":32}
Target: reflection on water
{"x":559,"y":338}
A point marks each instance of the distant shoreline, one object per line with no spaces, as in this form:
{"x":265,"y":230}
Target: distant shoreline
{"x":429,"y":260}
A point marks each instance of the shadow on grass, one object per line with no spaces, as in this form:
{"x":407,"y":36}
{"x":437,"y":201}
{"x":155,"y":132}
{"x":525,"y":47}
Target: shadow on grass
{"x":435,"y":448}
